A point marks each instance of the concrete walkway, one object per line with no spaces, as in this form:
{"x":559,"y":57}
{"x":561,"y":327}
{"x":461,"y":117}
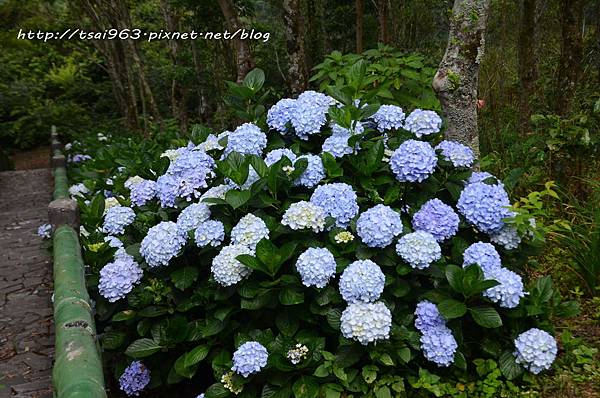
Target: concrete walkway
{"x":26,"y":329}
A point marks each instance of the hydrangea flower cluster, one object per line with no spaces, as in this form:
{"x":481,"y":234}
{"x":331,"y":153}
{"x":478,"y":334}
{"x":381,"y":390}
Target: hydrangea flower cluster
{"x":316,"y":266}
{"x":275,"y":156}
{"x":389,"y":117}
{"x":249,"y":358}
{"x":507,"y":237}
{"x":134,"y":379}
{"x":481,"y":176}
{"x":363,"y":281}
{"x":310,"y":113}
{"x":337,"y":145}
{"x":536,"y":350}
{"x":458,"y":154}
{"x":192,"y":216}
{"x":343,"y":237}
{"x":366,"y":322}
{"x":249,"y":231}
{"x":226,"y":269}
{"x":118,"y":278}
{"x":314,"y":172}
{"x":437,"y":218}
{"x":297,"y":354}
{"x":338,"y":200}
{"x":142,"y":192}
{"x":437,"y":342}
{"x":413,"y":161}
{"x":304,"y":215}
{"x":419,"y":249}
{"x":483,"y":254}
{"x":45,"y":231}
{"x":484,"y":206}
{"x":209,"y":233}
{"x":113,"y":241}
{"x":216,"y":192}
{"x":162,"y":243}
{"x":116,"y":219}
{"x":280,"y":114}
{"x":246,"y":139}
{"x":78,"y":190}
{"x":422,"y":122}
{"x":378,"y":226}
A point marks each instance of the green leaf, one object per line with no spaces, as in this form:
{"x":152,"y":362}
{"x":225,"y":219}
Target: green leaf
{"x":369,"y":373}
{"x":454,"y":275}
{"x":508,"y":366}
{"x":291,"y":296}
{"x":383,"y":392}
{"x":333,"y":318}
{"x":404,"y":354}
{"x":287,"y":323}
{"x":305,"y":387}
{"x":152,"y":311}
{"x":142,"y":348}
{"x":113,"y":339}
{"x":321,"y":371}
{"x":259,"y":166}
{"x":182,"y":370}
{"x":124,"y":315}
{"x":255,"y":79}
{"x":184,"y":277}
{"x":331,"y":167}
{"x":487,"y":317}
{"x":451,"y":309}
{"x":196,"y":355}
{"x":216,"y":390}
{"x":237,"y":198}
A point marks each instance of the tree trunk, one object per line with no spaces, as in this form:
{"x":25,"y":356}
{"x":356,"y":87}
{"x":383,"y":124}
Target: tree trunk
{"x":360,"y":25}
{"x":243,"y":55}
{"x":528,"y":68}
{"x":571,"y":52}
{"x":457,"y":77}
{"x":382,"y":17}
{"x":294,"y":35}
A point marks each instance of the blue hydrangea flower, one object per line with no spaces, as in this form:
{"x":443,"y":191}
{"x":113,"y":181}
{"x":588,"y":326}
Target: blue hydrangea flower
{"x":276,"y":154}
{"x":413,"y":161}
{"x":314,"y":172}
{"x":166,"y":190}
{"x":78,"y":190}
{"x":483,"y":254}
{"x":427,"y":316}
{"x":316,"y":266}
{"x":134,"y":378}
{"x":480,"y":176}
{"x":249,"y":358}
{"x":366,"y":322}
{"x":191,"y":170}
{"x":304,"y":215}
{"x":249,"y":231}
{"x":363,"y":281}
{"x":484,"y":206}
{"x":338,"y":200}
{"x":356,"y":128}
{"x":116,"y":219}
{"x":507,"y":237}
{"x":337,"y":145}
{"x":458,"y":154}
{"x":389,"y":117}
{"x":142,"y":192}
{"x":439,"y":345}
{"x":310,"y":113}
{"x":78,"y":158}
{"x":280,"y":114}
{"x":211,"y":143}
{"x":419,"y":249}
{"x":247,"y":139}
{"x":437,"y":218}
{"x":226,"y":269}
{"x":162,"y":243}
{"x":423,"y":122}
{"x":535,"y":349}
{"x":200,"y":396}
{"x":378,"y":226}
{"x":45,"y":231}
{"x":192,"y":216}
{"x":210,"y":232}
{"x":510,"y":290}
{"x":118,"y":278}
{"x":217,"y":192}
{"x":113,"y":241}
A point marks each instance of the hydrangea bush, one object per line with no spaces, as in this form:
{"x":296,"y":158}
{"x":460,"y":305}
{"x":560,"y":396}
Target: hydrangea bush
{"x":256,"y":263}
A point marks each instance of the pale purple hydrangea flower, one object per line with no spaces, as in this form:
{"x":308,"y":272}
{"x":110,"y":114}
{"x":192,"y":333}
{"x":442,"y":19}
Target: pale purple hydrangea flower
{"x":162,"y":243}
{"x":280,"y":114}
{"x":119,"y":277}
{"x":116,"y":219}
{"x":363,"y":281}
{"x":134,"y":378}
{"x":249,"y":358}
{"x":536,"y":350}
{"x":247,"y":139}
{"x":313,"y":173}
{"x":413,"y":161}
{"x":456,"y":153}
{"x":316,"y":266}
{"x":484,"y":206}
{"x":437,"y":218}
{"x":366,"y":322}
{"x":378,"y":226}
{"x":338,"y":200}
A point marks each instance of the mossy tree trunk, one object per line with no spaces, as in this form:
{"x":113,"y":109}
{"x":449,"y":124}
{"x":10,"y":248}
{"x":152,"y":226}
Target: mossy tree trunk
{"x":294,"y":36}
{"x":528,"y":67}
{"x":458,"y":74}
{"x":360,"y":25}
{"x":243,"y":54}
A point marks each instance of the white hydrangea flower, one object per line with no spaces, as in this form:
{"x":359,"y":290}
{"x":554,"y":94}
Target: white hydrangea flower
{"x":226,"y":269}
{"x":249,"y":231}
{"x":303,"y":215}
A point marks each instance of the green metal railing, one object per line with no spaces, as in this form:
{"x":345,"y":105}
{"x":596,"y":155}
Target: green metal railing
{"x":77,"y":371}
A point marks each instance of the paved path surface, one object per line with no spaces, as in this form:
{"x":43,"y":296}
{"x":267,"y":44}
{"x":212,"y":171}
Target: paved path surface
{"x":26,"y":329}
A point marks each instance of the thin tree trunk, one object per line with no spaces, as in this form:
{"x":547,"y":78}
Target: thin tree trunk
{"x":528,"y":67}
{"x":360,"y":25}
{"x":457,"y":77}
{"x":244,"y":61}
{"x":571,"y":52}
{"x":294,"y":35}
{"x":382,"y":17}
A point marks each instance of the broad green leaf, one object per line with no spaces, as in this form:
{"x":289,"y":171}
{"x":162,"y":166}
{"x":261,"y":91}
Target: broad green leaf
{"x":196,"y":355}
{"x":184,"y":277}
{"x":291,"y":296}
{"x":237,"y":198}
{"x":508,"y":366}
{"x":142,"y":348}
{"x":487,"y":317}
{"x":306,"y":387}
{"x":451,"y":309}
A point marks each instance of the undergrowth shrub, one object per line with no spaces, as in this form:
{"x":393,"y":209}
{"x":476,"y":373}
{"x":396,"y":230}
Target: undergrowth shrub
{"x":328,"y":247}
